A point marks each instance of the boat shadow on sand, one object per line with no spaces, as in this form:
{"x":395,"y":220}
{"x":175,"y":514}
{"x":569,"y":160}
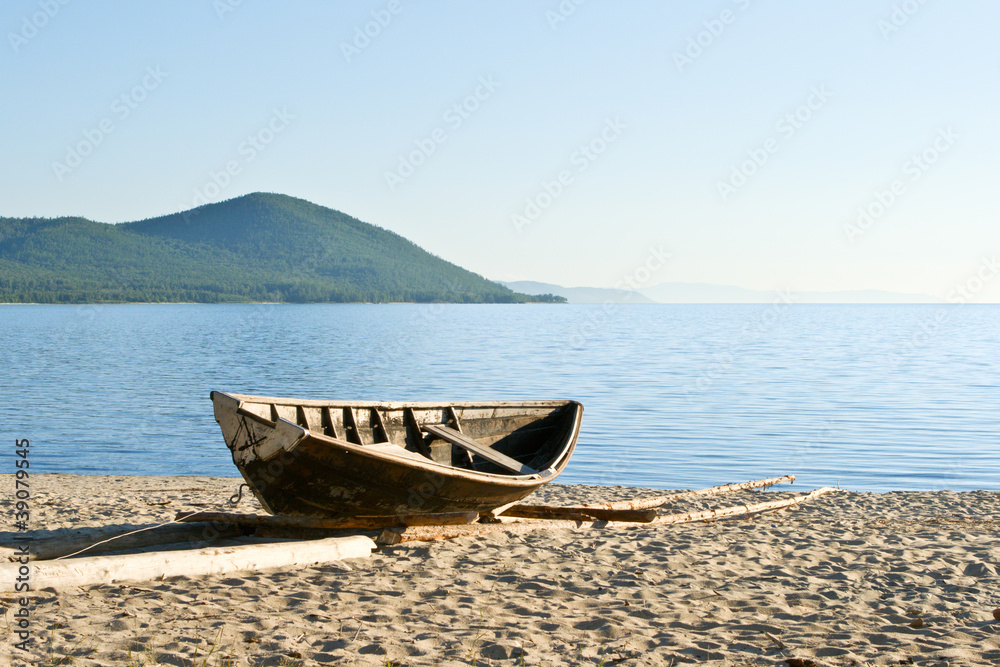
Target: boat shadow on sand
{"x":114,"y":538}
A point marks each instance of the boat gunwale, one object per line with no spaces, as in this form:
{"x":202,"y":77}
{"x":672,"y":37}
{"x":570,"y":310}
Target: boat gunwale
{"x":394,"y":405}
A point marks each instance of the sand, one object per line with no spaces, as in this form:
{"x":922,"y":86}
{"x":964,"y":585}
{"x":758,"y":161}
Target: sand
{"x":845,"y":579}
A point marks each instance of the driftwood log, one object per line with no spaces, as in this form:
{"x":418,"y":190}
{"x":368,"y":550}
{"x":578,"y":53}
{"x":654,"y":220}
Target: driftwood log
{"x":643,"y":510}
{"x":390,"y":536}
{"x":738,"y":510}
{"x":578,"y":513}
{"x":162,"y":564}
{"x":659,"y":501}
{"x":349,"y":523}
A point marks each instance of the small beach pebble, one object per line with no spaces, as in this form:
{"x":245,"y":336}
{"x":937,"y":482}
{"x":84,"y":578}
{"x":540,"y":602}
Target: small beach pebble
{"x":996,"y":613}
{"x":801,"y":662}
{"x":917,"y":623}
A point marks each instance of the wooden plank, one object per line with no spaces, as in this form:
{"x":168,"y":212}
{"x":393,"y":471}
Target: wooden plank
{"x":289,"y":412}
{"x":739,"y":510}
{"x":62,"y":574}
{"x":361,"y":522}
{"x":453,"y":419}
{"x":302,"y":418}
{"x":418,"y":435}
{"x":329,"y":425}
{"x":658,"y":501}
{"x":578,"y":513}
{"x":488,"y":453}
{"x":351,"y":431}
{"x":314,"y":418}
{"x":381,"y":424}
{"x":392,"y":536}
{"x":395,"y":405}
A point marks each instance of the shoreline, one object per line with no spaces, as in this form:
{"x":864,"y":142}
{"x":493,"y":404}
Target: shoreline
{"x":498,"y":303}
{"x":840,"y":580}
{"x":294,"y":303}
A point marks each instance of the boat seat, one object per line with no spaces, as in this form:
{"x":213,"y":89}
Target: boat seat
{"x":479,"y":449}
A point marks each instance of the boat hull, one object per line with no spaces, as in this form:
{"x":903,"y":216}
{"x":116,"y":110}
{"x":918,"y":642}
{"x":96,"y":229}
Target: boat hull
{"x":334,"y":459}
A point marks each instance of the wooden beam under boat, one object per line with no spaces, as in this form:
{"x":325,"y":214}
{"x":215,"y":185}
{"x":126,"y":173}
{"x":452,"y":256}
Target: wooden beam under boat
{"x":347,"y":523}
{"x":392,"y":536}
{"x":578,"y":513}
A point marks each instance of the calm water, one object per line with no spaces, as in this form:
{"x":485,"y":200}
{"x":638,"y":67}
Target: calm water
{"x":676,"y":396}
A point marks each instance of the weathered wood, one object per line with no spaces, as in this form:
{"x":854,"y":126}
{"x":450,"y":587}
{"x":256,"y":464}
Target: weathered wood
{"x":394,"y":405}
{"x":295,"y":471}
{"x":329,"y":425}
{"x":351,"y":430}
{"x":738,"y":510}
{"x":162,"y":564}
{"x":348,"y":523}
{"x":578,"y":513}
{"x":659,"y":501}
{"x":390,"y":536}
{"x":302,"y":418}
{"x":418,"y":434}
{"x":488,"y":453}
{"x":516,"y":517}
{"x":453,"y":419}
{"x":98,"y":540}
{"x":497,"y":511}
{"x":381,"y":425}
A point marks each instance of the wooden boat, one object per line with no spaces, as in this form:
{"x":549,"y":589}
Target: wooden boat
{"x":350,"y":458}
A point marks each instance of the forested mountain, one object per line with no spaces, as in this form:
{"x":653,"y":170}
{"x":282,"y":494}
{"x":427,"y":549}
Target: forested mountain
{"x":259,"y":247}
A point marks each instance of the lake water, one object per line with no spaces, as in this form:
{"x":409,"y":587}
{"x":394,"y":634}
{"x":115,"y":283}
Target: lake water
{"x":873,"y":397}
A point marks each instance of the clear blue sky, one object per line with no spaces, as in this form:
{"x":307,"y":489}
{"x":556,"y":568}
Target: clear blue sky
{"x":290,"y":97}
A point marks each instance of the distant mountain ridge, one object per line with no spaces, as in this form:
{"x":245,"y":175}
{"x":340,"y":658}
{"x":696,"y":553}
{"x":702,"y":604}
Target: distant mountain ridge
{"x":258,"y":247}
{"x":710,"y":293}
{"x":578,"y":294}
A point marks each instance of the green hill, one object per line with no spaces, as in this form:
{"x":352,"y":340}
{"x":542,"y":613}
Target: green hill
{"x":259,"y":247}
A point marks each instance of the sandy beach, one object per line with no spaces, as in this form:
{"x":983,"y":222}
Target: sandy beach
{"x":843,"y":579}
